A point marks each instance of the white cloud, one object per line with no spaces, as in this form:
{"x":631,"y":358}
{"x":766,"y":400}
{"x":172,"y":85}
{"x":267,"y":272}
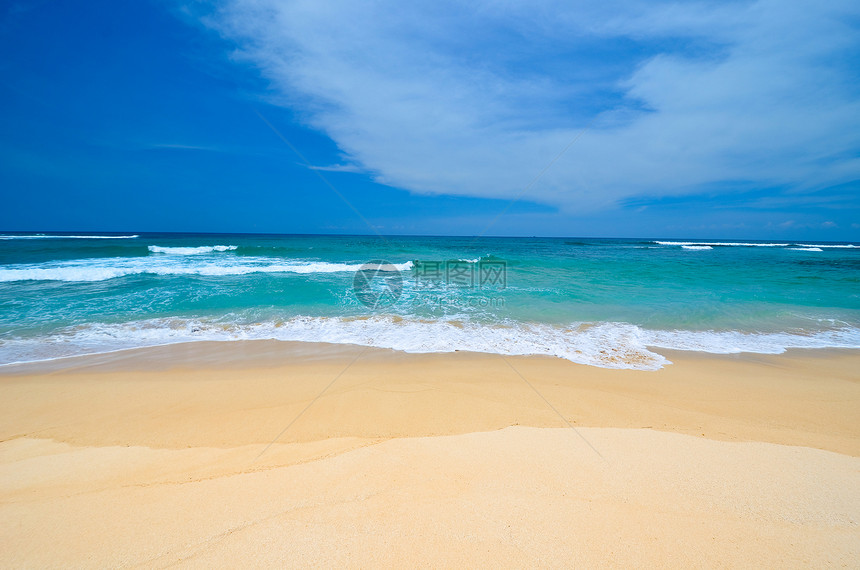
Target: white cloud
{"x":436,"y":97}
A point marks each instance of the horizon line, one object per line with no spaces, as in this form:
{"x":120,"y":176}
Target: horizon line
{"x":62,"y":233}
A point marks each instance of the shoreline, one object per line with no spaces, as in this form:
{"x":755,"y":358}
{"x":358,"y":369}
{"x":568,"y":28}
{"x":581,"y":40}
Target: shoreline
{"x":247,"y":353}
{"x":804,"y":397}
{"x":615,"y":345}
{"x":289,"y":454}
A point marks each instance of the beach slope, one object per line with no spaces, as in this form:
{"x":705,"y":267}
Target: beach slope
{"x":267,"y":453}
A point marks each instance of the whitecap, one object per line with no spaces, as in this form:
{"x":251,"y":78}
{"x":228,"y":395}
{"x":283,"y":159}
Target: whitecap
{"x":83,"y":270}
{"x":46,"y":236}
{"x":721,"y":243}
{"x":191,"y":250}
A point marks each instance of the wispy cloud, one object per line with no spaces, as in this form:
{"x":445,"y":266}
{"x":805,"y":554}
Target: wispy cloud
{"x":338,"y":168}
{"x":475,"y":99}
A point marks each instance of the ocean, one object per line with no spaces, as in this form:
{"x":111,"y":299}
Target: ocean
{"x":600,"y":302}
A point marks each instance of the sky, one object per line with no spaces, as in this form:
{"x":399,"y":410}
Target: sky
{"x":730,"y":119}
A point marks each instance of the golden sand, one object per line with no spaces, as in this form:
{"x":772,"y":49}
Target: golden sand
{"x":279,"y":454}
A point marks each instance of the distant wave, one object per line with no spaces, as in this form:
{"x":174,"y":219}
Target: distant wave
{"x":721,"y":243}
{"x":103,"y":269}
{"x":798,"y":246}
{"x":191,"y":250}
{"x":44,"y":236}
{"x":607,"y":345}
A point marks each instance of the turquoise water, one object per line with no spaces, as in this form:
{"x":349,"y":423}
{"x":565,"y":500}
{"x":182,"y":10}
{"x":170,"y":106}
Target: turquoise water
{"x":603,"y":302}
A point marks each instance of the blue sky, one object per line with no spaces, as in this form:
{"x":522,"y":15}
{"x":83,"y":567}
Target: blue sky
{"x":734,"y":119}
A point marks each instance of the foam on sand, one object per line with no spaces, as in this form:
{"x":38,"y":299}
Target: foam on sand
{"x":605,"y":345}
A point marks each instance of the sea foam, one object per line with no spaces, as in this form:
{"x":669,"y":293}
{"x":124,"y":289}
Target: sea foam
{"x":721,"y":243}
{"x":606,"y":345}
{"x":45,"y":236}
{"x":191,"y":250}
{"x":110,"y":268}
{"x":797,"y":247}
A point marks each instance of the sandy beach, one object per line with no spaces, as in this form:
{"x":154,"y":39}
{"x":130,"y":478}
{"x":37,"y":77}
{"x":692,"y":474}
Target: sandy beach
{"x":294,"y":454}
{"x":332,"y":284}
